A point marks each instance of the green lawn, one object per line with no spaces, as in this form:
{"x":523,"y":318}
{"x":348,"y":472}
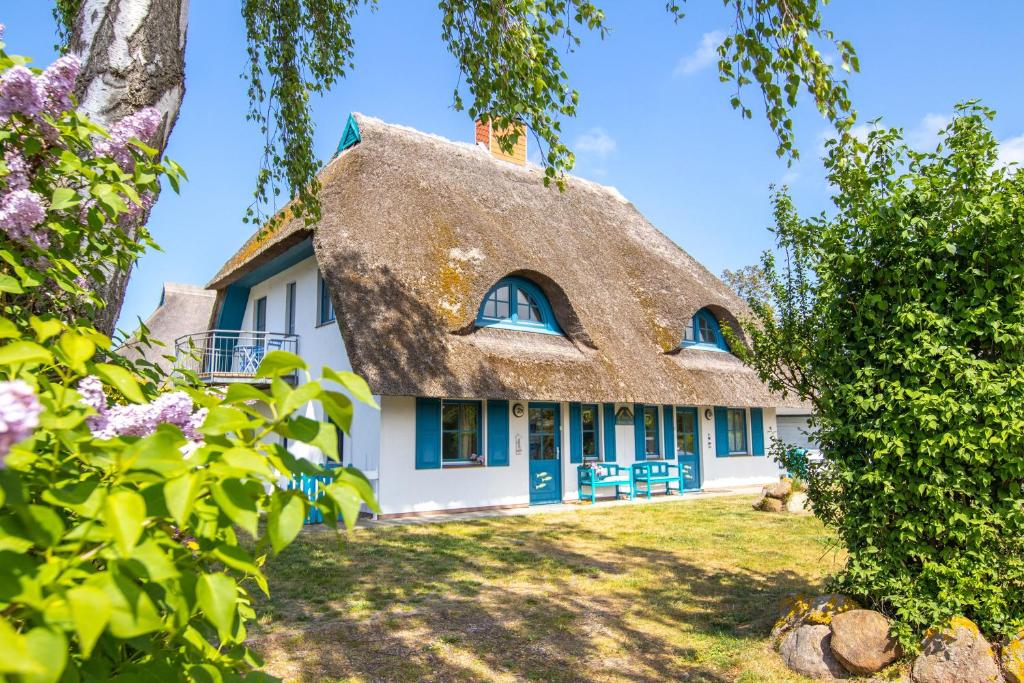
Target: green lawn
{"x":685,"y":590}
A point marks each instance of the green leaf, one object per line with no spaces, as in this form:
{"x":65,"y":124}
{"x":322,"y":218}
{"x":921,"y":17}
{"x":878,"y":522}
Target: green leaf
{"x":279,"y":363}
{"x":218,"y":598}
{"x":180,"y":495}
{"x":239,"y":502}
{"x":90,"y":611}
{"x":14,"y":652}
{"x":239,"y":393}
{"x":10,"y":285}
{"x":64,"y":198}
{"x":122,"y":380}
{"x":132,"y":612}
{"x":124,"y":513}
{"x":347,"y":499}
{"x":225,"y":420}
{"x":355,"y":385}
{"x":45,"y":329}
{"x":49,"y":649}
{"x":24,"y":352}
{"x":284,"y":521}
{"x":78,"y":349}
{"x":8,"y":330}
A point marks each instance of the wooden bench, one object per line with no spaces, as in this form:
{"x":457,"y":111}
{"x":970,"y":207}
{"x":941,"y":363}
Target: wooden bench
{"x":605,"y":475}
{"x":658,"y":472}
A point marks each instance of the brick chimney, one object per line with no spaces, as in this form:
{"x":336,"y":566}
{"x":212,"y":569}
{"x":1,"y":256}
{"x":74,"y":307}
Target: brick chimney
{"x":487,"y":138}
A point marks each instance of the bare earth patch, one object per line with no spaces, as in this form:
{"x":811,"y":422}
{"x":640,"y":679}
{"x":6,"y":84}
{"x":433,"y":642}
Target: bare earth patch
{"x":677,"y":591}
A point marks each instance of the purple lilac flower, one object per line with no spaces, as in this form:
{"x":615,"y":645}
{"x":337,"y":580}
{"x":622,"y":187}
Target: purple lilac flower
{"x":57,"y":82}
{"x":142,"y":125}
{"x":2,"y":29}
{"x":19,"y":414}
{"x":17,"y":170}
{"x":174,"y":408}
{"x":19,"y":92}
{"x":21,"y":213}
{"x":136,"y":212}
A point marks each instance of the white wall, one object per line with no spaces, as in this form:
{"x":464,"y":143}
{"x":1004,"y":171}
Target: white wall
{"x":319,"y":346}
{"x":736,"y":470}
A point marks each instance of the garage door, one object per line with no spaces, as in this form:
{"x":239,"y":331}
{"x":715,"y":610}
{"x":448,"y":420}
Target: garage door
{"x":793,"y":430}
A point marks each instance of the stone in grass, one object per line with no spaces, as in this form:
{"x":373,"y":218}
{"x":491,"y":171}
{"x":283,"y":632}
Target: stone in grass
{"x":861,"y":641}
{"x":797,"y":503}
{"x":767,"y":504}
{"x":956,"y":654}
{"x":1013,"y":659}
{"x":779,"y":490}
{"x":806,"y":651}
{"x":799,"y":609}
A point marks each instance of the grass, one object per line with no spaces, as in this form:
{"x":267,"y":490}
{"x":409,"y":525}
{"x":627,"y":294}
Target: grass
{"x":678,"y":591}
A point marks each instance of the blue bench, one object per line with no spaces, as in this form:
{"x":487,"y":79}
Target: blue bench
{"x":651,"y":473}
{"x":605,"y":475}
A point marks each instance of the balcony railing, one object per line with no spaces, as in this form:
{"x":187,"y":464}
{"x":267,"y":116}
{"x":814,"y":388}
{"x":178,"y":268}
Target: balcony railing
{"x":223,"y":356}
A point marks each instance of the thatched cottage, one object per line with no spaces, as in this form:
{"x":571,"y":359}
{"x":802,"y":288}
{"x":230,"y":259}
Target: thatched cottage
{"x":511,"y":331}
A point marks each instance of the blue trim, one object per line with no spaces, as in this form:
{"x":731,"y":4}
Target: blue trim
{"x":296,"y":253}
{"x":350,"y":136}
{"x":609,"y":432}
{"x":639,"y":433}
{"x":715,"y":343}
{"x":548,"y":324}
{"x":546,"y":475}
{"x":721,"y":432}
{"x":690,"y":461}
{"x":459,"y":430}
{"x":497,"y":433}
{"x":428,"y":433}
{"x":232,"y":308}
{"x":756,"y":431}
{"x":669,"y":432}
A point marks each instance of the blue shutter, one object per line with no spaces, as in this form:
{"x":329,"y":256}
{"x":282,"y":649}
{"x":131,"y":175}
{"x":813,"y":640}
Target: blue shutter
{"x":575,"y":433}
{"x":428,"y":433}
{"x":609,"y":432}
{"x":757,"y":431}
{"x":638,"y":431}
{"x":497,"y":433}
{"x":670,"y":433}
{"x":721,"y":431}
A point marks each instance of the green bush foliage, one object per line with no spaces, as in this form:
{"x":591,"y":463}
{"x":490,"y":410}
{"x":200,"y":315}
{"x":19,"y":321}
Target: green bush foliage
{"x":901,"y":317}
{"x":136,"y":510}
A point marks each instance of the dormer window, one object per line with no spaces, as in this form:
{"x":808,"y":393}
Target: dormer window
{"x":517,"y":304}
{"x":703,"y":332}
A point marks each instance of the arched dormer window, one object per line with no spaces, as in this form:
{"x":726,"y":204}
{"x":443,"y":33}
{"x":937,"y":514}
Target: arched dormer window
{"x":703,"y":332}
{"x":517,"y":304}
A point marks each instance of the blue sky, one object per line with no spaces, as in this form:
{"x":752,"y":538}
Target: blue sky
{"x":654,"y":121}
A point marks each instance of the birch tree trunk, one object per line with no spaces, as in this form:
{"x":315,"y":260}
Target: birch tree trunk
{"x":133,"y":56}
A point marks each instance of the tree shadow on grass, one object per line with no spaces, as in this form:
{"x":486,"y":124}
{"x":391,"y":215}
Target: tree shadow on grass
{"x":510,"y":600}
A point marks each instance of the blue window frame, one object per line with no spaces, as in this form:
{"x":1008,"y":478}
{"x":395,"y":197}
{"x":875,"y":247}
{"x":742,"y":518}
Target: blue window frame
{"x":461,"y":440}
{"x":591,"y":439}
{"x":325,"y":308}
{"x":703,"y":331}
{"x":651,"y":441}
{"x":517,"y":304}
{"x":737,"y":431}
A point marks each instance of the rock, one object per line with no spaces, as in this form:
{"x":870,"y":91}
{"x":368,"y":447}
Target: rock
{"x":799,"y":609}
{"x":956,"y":654}
{"x":1013,"y":659}
{"x":767,"y":504}
{"x":779,"y":490}
{"x":806,"y":651}
{"x":861,"y":641}
{"x":797,"y":503}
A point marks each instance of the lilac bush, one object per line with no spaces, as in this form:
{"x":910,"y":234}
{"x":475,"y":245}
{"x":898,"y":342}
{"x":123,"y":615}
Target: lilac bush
{"x":19,"y":414}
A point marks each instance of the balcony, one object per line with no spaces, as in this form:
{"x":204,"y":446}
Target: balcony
{"x":226,"y":356}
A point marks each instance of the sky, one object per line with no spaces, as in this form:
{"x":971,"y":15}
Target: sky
{"x":653,"y":121}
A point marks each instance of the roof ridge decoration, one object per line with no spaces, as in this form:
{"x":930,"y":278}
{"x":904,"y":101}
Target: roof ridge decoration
{"x":350,"y":136}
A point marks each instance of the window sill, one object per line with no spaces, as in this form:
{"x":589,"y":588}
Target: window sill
{"x":735,"y":455}
{"x":458,"y":465}
{"x":329,"y":322}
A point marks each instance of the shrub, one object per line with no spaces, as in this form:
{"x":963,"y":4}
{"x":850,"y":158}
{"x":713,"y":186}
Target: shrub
{"x":136,"y":511}
{"x":901,"y":318}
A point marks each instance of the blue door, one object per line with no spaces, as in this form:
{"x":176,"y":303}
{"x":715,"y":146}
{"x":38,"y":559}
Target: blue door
{"x":545,"y":454}
{"x":688,"y":447}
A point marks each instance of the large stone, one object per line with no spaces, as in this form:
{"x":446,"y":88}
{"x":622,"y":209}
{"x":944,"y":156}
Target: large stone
{"x":956,"y":654}
{"x":1013,"y":659}
{"x":767,"y":504}
{"x":780,"y":490}
{"x":799,"y":609}
{"x":797,"y":502}
{"x":806,"y":651}
{"x":861,"y":641}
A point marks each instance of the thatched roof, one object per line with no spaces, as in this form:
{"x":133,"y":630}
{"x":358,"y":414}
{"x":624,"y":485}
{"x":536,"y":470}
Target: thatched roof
{"x":417,"y":228}
{"x":183,"y":309}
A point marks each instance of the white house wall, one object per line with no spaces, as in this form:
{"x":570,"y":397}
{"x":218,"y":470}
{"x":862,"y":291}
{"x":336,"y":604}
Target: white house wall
{"x":319,"y":346}
{"x":406,"y":490}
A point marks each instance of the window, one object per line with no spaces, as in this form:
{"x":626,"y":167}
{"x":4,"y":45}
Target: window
{"x":737,"y":431}
{"x":460,"y":432}
{"x":289,"y":308}
{"x":259,"y":318}
{"x":591,"y":445}
{"x":517,"y":304}
{"x":686,"y":432}
{"x":326,"y":308}
{"x":651,"y":431}
{"x":703,"y":331}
